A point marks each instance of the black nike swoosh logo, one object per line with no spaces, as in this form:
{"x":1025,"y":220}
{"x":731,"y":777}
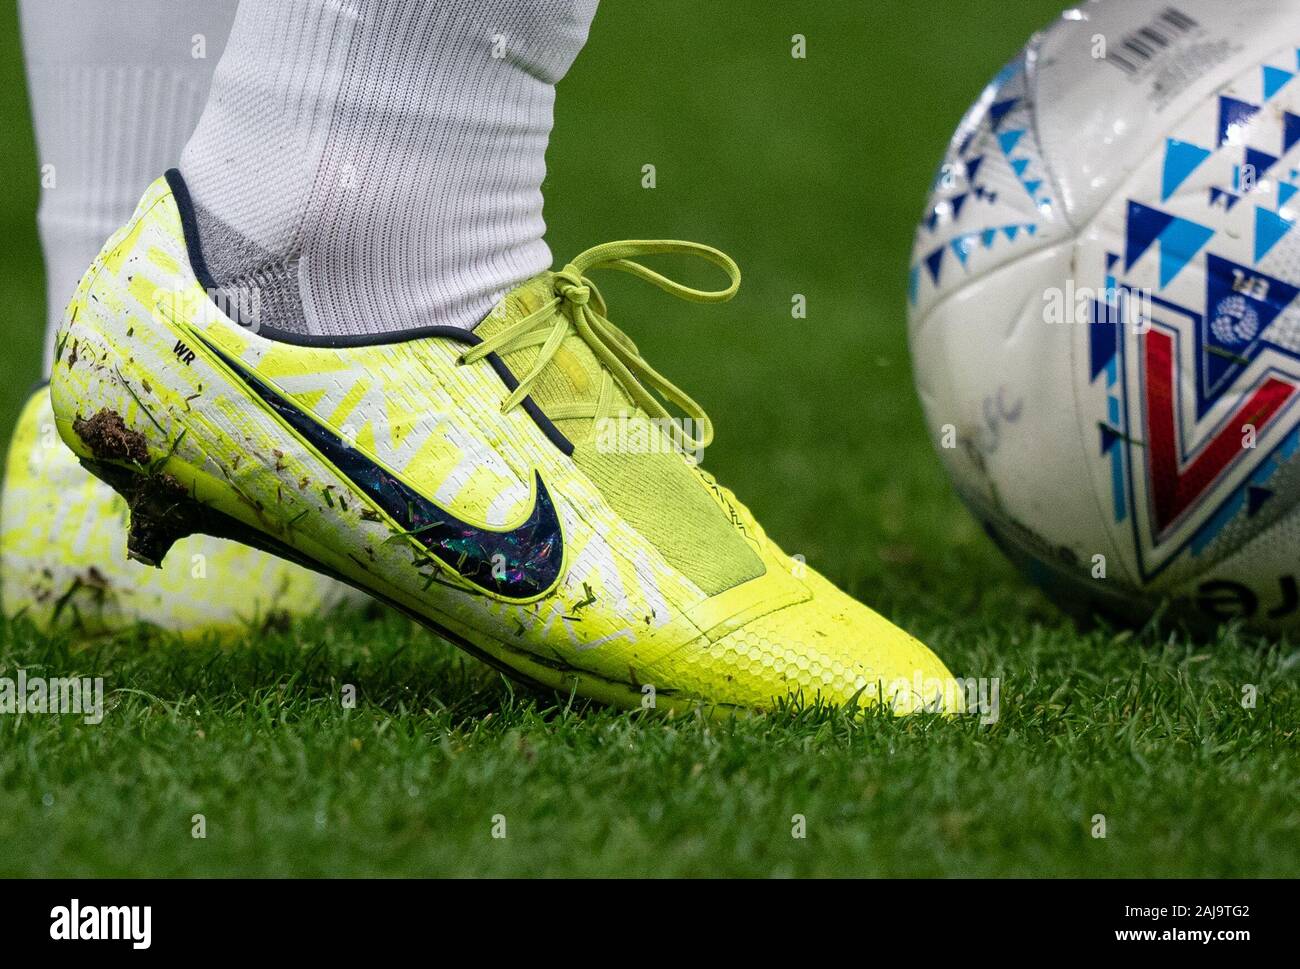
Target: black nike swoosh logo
{"x":520,"y":563}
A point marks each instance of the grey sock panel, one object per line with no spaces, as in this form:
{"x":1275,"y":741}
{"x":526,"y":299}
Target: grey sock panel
{"x":370,"y":166}
{"x":254,"y":285}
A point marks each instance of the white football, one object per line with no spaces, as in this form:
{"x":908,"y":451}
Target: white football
{"x":1103,"y":314}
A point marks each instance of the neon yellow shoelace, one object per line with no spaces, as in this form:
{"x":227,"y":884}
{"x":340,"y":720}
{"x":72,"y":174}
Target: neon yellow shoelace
{"x":581,"y":309}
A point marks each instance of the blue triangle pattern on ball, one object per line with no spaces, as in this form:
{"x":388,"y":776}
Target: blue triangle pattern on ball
{"x":1179,"y":239}
{"x":1274,"y":80}
{"x":1181,"y":159}
{"x":1234,"y":116}
{"x":1270,"y":227}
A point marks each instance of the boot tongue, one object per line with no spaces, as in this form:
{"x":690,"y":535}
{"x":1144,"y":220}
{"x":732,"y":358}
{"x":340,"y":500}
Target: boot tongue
{"x":573,"y":375}
{"x":698,"y":527}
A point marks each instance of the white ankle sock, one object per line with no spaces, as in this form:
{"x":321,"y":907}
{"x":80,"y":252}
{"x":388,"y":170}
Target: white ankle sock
{"x":116,"y":89}
{"x":369,"y":166}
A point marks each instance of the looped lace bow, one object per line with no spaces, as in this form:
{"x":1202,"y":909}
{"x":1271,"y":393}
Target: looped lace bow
{"x":581,"y":310}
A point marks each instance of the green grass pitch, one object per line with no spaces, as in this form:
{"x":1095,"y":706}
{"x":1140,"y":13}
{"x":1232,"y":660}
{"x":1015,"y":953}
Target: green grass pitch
{"x":811,"y":173}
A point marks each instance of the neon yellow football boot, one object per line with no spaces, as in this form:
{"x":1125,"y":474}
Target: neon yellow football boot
{"x":518,"y":488}
{"x":63,"y":555}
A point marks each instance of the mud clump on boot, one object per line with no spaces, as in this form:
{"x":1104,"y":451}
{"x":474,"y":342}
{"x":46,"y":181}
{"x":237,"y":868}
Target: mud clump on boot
{"x":109,"y":439}
{"x":161,"y":510}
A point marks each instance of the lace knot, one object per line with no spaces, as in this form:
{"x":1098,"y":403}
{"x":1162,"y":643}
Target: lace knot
{"x":645,"y":388}
{"x":571,"y":287}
